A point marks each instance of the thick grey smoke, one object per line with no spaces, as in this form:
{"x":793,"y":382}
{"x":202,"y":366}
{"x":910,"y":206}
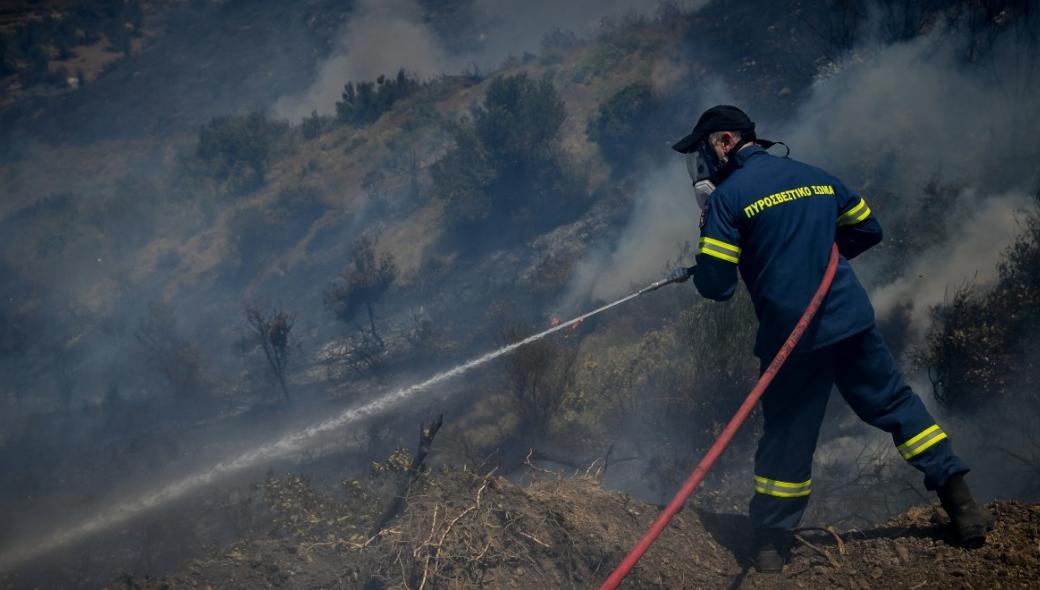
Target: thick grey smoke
{"x":381,"y":38}
{"x":887,"y":121}
{"x":663,"y":222}
{"x":981,"y":228}
{"x":900,"y":116}
{"x":387,"y":35}
{"x":516,"y":27}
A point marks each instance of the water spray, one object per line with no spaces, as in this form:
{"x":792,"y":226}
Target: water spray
{"x":285,"y":446}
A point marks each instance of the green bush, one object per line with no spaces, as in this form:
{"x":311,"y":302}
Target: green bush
{"x":627,"y":125}
{"x":312,"y":126}
{"x":260,"y":233}
{"x":365,"y":102}
{"x":507,"y":169}
{"x":463,"y":178}
{"x":362,"y":284}
{"x":540,"y":376}
{"x":236,"y":150}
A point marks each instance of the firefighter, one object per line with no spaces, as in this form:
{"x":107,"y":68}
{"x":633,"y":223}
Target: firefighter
{"x":774,"y":220}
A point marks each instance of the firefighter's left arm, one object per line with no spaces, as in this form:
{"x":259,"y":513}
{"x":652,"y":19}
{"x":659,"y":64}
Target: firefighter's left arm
{"x":718,"y":251}
{"x":858,"y":228}
{"x":854,"y":240}
{"x":714,"y":278}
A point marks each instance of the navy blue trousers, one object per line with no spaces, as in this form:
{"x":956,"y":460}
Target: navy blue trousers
{"x":793,"y":407}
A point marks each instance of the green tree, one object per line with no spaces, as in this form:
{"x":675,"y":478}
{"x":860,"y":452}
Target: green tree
{"x":236,"y":150}
{"x":362,"y":284}
{"x":507,"y":169}
{"x":365,"y":102}
{"x":519,"y":123}
{"x":626,"y":125}
{"x":311,"y":126}
{"x":462,"y":179}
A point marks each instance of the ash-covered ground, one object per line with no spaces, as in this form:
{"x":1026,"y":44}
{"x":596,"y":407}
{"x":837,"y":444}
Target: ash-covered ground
{"x":463,"y":529}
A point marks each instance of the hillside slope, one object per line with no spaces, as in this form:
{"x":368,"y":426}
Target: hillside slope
{"x":462,"y":530}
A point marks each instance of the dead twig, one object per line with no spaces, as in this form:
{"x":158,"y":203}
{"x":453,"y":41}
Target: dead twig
{"x":431,"y":557}
{"x":533,"y":467}
{"x":830,"y":531}
{"x":368,"y":541}
{"x":433,"y":531}
{"x":822,"y":552}
{"x":535,"y":539}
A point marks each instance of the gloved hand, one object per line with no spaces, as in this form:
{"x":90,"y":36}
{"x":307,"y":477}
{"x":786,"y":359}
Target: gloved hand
{"x":680,"y":274}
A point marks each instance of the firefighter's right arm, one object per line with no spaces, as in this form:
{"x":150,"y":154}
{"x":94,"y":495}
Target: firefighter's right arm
{"x":858,"y":228}
{"x":714,"y":278}
{"x":718,"y":251}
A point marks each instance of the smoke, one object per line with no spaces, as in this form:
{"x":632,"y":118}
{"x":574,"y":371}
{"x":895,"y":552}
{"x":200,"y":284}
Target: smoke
{"x":661,"y":225}
{"x":887,"y":121}
{"x":890,"y":120}
{"x":982,"y":229}
{"x":387,"y":35}
{"x":906,"y":112}
{"x":519,"y":26}
{"x":382,"y":38}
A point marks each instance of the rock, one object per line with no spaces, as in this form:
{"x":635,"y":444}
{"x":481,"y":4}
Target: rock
{"x":902,"y":553}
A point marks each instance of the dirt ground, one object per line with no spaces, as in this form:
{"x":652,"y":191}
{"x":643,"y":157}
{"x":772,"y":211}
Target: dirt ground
{"x":461,"y":529}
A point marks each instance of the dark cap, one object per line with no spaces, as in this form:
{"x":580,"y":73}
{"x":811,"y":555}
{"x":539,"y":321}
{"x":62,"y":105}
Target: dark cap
{"x":722,"y":117}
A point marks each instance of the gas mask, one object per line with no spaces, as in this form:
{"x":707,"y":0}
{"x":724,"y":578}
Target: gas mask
{"x":703,"y":166}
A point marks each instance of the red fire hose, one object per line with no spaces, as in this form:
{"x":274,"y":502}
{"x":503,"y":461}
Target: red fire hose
{"x":727,"y":433}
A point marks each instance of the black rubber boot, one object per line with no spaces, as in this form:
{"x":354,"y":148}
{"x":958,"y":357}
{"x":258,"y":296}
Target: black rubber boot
{"x":769,"y":550}
{"x":969,"y":522}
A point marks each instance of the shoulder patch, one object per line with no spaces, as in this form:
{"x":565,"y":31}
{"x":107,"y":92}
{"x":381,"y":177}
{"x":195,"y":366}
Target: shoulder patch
{"x":704,"y":215}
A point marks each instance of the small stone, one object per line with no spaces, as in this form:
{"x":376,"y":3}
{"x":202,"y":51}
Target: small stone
{"x":903,"y":553}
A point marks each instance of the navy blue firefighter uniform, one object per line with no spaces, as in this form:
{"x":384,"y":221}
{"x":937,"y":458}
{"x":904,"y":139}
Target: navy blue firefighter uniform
{"x":774,"y":219}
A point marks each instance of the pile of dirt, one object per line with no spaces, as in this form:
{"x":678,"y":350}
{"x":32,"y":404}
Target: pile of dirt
{"x":462,"y":529}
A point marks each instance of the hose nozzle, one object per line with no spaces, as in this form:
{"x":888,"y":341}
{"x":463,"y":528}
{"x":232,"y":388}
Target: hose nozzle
{"x":678,"y":276}
{"x":656,"y":286}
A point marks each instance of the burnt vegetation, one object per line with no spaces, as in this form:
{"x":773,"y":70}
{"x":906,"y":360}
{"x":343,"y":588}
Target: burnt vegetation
{"x":271,"y":332}
{"x":389,"y":227}
{"x":358,"y":290}
{"x":979,"y":353}
{"x":29,"y":47}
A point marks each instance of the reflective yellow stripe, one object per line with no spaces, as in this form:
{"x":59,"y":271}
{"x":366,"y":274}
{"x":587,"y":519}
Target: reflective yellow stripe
{"x":721,"y":244}
{"x":720,"y":250}
{"x":856,"y":214}
{"x":862,"y":216}
{"x":921,"y":442}
{"x":782,"y":489}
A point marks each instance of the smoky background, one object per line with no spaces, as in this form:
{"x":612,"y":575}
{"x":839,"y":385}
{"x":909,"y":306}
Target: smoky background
{"x":127,"y":360}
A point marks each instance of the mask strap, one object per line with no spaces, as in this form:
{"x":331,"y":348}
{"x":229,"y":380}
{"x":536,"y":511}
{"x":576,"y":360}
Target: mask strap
{"x":765,"y":143}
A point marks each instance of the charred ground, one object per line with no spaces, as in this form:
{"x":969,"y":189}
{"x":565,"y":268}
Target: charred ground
{"x":462,"y":529}
{"x":186,"y":276}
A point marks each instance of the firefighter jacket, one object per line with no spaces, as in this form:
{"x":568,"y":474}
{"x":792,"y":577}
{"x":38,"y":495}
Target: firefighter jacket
{"x":775,"y":220}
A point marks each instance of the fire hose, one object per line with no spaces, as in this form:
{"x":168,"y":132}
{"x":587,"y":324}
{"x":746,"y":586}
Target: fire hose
{"x":728,"y":432}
